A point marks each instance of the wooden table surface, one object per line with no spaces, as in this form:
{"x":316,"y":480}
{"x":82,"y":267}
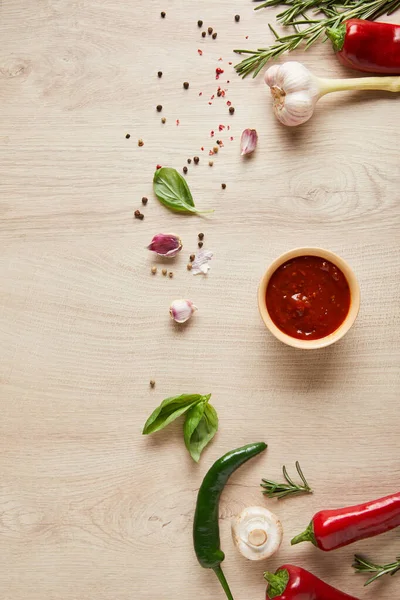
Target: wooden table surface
{"x":89,"y":508}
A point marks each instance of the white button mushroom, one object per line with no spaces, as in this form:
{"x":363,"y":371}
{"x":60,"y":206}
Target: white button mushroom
{"x":257,"y":533}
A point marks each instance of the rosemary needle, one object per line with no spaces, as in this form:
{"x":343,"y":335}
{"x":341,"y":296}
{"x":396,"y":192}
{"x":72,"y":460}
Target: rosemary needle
{"x":281,"y":490}
{"x":363,"y":565}
{"x":309,"y":20}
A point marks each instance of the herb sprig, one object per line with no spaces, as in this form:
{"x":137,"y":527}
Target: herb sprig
{"x":281,"y":490}
{"x":316,"y":16}
{"x":363,"y":565}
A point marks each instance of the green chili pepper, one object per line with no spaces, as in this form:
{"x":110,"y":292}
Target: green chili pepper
{"x":206,"y":527}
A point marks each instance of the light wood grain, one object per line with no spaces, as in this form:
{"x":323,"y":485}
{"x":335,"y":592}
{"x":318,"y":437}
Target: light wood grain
{"x":90,"y":509}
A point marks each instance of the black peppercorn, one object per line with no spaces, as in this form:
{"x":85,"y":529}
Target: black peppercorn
{"x":231,"y":110}
{"x":237,"y":18}
{"x":189,"y":160}
{"x":152,"y":383}
{"x":163,"y":14}
{"x":185,"y":170}
{"x":144,"y":200}
{"x":199,"y":23}
{"x":223,"y":185}
{"x":219,"y":93}
{"x":192,"y":257}
{"x":159,"y":108}
{"x":210,"y":30}
{"x":214,"y":36}
{"x":186,"y":85}
{"x":200,"y":244}
{"x":201,"y":236}
{"x":138,"y":215}
{"x":203,"y":34}
{"x":159,"y":74}
{"x":196,"y":160}
{"x":128,"y":135}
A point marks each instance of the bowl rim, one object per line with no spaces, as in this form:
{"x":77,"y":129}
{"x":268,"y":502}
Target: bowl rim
{"x":355,"y":297}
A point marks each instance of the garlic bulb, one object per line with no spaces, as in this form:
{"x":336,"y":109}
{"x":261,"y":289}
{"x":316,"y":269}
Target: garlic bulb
{"x":257,"y":533}
{"x":181,"y":310}
{"x":295,"y":90}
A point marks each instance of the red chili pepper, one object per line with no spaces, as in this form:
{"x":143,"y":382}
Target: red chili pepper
{"x":294,"y":583}
{"x":331,"y":529}
{"x":367,"y":45}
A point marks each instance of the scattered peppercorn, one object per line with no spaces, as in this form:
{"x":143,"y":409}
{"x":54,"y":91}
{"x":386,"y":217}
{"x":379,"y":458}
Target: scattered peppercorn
{"x":215,"y":149}
{"x":159,"y":108}
{"x":210,"y":163}
{"x":189,"y":160}
{"x":140,"y":143}
{"x":196,"y":160}
{"x":231,"y":110}
{"x":163,"y":14}
{"x":199,"y":23}
{"x":203,"y":34}
{"x":223,"y":185}
{"x":170,"y":274}
{"x":201,"y":236}
{"x":128,"y":135}
{"x":152,"y":383}
{"x":154,"y":270}
{"x":219,"y":93}
{"x":192,"y":257}
{"x":185,"y":170}
{"x":138,"y":215}
{"x":163,"y":120}
{"x":210,"y":30}
{"x":189,"y":266}
{"x":200,"y":244}
{"x":214,"y":36}
{"x":159,"y":74}
{"x":144,"y":200}
{"x":164,"y":272}
{"x":186,"y":85}
{"x":218,"y":142}
{"x":237,"y":18}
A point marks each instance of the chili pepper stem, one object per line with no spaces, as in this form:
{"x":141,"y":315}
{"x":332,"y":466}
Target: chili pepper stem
{"x":305,"y":536}
{"x":337,"y":36}
{"x":219,"y":573}
{"x":386,"y":84}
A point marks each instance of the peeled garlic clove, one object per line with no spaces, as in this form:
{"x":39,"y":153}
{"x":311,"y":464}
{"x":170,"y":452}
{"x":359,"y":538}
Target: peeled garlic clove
{"x":248,"y":141}
{"x":165,"y":244}
{"x":257,"y":533}
{"x":181,"y":310}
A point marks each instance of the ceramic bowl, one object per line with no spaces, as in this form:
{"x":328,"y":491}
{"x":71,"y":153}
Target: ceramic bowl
{"x":354,"y":299}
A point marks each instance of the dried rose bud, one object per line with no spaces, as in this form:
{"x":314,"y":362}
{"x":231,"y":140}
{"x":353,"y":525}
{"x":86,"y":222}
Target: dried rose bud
{"x":165,"y":244}
{"x":248,"y":141}
{"x":182,"y":310}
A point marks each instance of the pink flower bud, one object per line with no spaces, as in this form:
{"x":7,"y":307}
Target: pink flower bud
{"x":248,"y":141}
{"x":165,"y":244}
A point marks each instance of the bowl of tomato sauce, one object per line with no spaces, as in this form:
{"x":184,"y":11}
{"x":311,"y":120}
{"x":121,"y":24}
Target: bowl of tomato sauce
{"x":309,"y":298}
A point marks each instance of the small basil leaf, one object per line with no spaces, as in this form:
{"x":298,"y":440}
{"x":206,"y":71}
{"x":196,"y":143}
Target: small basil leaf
{"x":172,"y":190}
{"x":169,"y":410}
{"x":201,"y":424}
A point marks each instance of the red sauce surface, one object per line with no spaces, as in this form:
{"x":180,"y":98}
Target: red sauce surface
{"x":308,"y":297}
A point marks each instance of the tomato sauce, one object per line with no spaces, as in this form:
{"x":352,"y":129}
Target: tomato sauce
{"x":308,"y":297}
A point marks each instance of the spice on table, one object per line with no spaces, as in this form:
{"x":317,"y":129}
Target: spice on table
{"x":189,"y":160}
{"x":128,"y":135}
{"x":192,"y":257}
{"x":163,"y":14}
{"x":248,"y":141}
{"x":185,"y":169}
{"x":199,"y":23}
{"x":215,"y":149}
{"x":331,"y":529}
{"x":223,"y":185}
{"x":186,"y":85}
{"x":237,"y":18}
{"x":144,"y":200}
{"x":210,"y":30}
{"x":159,"y":74}
{"x":163,"y":120}
{"x":280,"y":490}
{"x":210,"y":163}
{"x":158,"y":167}
{"x":214,"y":35}
{"x":200,"y":244}
{"x":164,"y":272}
{"x":291,"y":583}
{"x":201,"y":236}
{"x":203,"y":34}
{"x":218,"y":72}
{"x":177,"y":121}
{"x":170,"y":274}
{"x":257,"y":533}
{"x":189,"y":266}
{"x":367,"y":46}
{"x":206,"y":536}
{"x":166,"y":244}
{"x":363,"y":565}
{"x":196,"y":160}
{"x":138,"y":215}
{"x":154,"y":270}
{"x":231,"y":110}
{"x":159,"y":107}
{"x":152,"y":383}
{"x":140,"y":143}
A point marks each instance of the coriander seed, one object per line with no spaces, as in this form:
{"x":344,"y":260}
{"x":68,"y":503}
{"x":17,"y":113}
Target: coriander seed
{"x":192,"y":257}
{"x":140,"y":143}
{"x":185,"y":170}
{"x":210,"y":163}
{"x":231,"y":110}
{"x":159,"y":74}
{"x":196,"y":160}
{"x":237,"y":18}
{"x":186,"y":85}
{"x":214,"y":35}
{"x":200,"y":244}
{"x":164,"y":272}
{"x":144,"y":200}
{"x":203,"y":34}
{"x":189,"y":266}
{"x":154,"y":270}
{"x":163,"y":120}
{"x":170,"y":274}
{"x":199,"y":23}
{"x":215,"y":149}
{"x":152,"y":383}
{"x":159,"y":107}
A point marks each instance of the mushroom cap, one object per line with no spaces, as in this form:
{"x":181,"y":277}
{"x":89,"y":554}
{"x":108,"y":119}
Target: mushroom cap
{"x":257,"y":533}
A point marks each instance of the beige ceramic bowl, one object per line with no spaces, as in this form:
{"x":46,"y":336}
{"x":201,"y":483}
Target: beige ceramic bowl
{"x":354,"y":299}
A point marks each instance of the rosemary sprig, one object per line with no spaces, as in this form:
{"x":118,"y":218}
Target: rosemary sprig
{"x":281,"y":490}
{"x":363,"y":565}
{"x":316,"y":16}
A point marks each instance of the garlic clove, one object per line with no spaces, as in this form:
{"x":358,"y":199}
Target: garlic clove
{"x":257,"y":533}
{"x":166,"y":244}
{"x":181,"y":310}
{"x":248,"y":141}
{"x":200,"y":263}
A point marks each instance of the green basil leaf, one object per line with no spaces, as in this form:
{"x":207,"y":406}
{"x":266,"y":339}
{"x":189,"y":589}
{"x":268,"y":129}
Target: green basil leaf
{"x":201,"y":424}
{"x":169,"y":410}
{"x":172,"y":190}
